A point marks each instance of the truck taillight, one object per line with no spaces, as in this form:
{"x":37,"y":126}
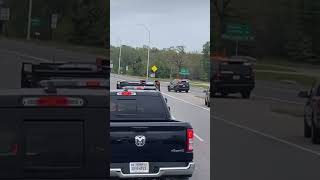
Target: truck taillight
{"x":190,"y":136}
{"x":217,"y":76}
{"x":93,"y":83}
{"x":52,"y":101}
{"x":14,"y":149}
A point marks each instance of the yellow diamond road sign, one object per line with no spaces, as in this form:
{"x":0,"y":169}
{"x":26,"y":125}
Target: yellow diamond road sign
{"x":154,"y":68}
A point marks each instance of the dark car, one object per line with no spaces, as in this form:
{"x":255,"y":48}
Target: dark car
{"x":147,"y":142}
{"x":233,"y":76}
{"x":207,"y":98}
{"x":312,"y":113}
{"x":54,"y":133}
{"x":179,"y":85}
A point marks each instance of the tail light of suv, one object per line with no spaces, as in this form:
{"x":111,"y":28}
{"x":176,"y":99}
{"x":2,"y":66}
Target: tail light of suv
{"x":189,"y":142}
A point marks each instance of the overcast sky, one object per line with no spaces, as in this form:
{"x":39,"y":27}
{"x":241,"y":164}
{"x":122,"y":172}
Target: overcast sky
{"x":171,"y":22}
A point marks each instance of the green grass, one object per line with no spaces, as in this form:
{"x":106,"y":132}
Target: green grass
{"x":99,"y":51}
{"x":288,"y":63}
{"x":291,"y":111}
{"x":273,"y":68}
{"x":303,"y":80}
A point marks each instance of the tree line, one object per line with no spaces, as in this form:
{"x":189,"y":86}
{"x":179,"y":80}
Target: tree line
{"x":79,"y":21}
{"x":169,"y":61}
{"x":282,"y":28}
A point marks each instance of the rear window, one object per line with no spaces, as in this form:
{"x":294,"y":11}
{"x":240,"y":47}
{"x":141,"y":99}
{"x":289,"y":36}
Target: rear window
{"x":137,"y":108}
{"x":238,"y":68}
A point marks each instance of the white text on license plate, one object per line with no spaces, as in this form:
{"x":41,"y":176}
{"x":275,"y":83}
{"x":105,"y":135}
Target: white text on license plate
{"x":139,"y":167}
{"x":236,"y":77}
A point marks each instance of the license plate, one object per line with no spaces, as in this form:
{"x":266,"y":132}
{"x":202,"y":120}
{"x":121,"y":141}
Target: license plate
{"x":139,"y":167}
{"x":236,"y":77}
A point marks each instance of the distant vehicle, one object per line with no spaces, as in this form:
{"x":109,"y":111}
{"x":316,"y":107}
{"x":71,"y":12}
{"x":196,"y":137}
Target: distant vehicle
{"x":207,"y":98}
{"x":233,"y":76}
{"x":312,"y":113}
{"x":56,"y":133}
{"x":146,"y":141}
{"x":139,"y":85}
{"x":179,"y":85}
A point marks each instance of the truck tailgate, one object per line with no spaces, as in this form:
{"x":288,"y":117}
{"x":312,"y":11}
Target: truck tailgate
{"x":149,"y":141}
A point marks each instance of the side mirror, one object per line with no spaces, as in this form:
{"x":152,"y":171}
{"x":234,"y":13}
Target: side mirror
{"x":169,"y":108}
{"x":303,"y":94}
{"x":166,"y":100}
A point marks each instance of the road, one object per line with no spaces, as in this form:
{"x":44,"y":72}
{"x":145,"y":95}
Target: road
{"x":186,"y":107}
{"x":252,"y":140}
{"x":189,"y":108}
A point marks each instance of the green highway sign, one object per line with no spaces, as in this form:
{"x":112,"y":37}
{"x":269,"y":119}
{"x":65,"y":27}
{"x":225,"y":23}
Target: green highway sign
{"x":184,"y":71}
{"x":238,"y":31}
{"x":35,"y":22}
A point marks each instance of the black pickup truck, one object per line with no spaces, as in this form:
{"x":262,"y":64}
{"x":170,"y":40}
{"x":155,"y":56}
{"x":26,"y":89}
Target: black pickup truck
{"x":54,"y":134}
{"x":146,"y":141}
{"x":66,"y":74}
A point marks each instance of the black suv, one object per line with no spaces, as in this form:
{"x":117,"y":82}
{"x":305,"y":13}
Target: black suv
{"x":233,"y":76}
{"x":179,"y":85}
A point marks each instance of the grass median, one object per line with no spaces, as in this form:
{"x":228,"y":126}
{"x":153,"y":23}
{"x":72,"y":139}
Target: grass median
{"x":304,"y":80}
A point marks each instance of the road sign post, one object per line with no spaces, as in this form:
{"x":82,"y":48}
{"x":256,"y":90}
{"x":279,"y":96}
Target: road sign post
{"x":154,"y":68}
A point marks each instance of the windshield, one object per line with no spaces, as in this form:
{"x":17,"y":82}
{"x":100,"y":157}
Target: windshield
{"x":137,"y":108}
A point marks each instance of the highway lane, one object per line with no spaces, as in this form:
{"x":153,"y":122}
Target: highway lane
{"x":186,"y":107}
{"x":252,"y":140}
{"x":241,"y":154}
{"x":31,"y":51}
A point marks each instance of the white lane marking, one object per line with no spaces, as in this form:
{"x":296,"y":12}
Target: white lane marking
{"x":198,"y":137}
{"x":267,"y":135}
{"x":25,"y":55}
{"x":279,"y":100}
{"x":207,"y":109}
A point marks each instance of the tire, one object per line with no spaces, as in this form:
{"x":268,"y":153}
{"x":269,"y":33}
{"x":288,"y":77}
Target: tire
{"x":246,"y":94}
{"x":179,"y":90}
{"x":187,"y":91}
{"x":169,"y":89}
{"x":208,"y":104}
{"x":205,"y":102}
{"x":315,"y":134}
{"x":176,"y":90}
{"x":307,"y":129}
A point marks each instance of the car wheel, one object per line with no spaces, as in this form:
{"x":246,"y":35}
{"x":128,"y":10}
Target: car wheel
{"x":205,"y":102}
{"x":307,"y":129}
{"x":246,"y":94}
{"x":208,"y":104}
{"x":187,"y":91}
{"x":175,"y":90}
{"x":169,"y":89}
{"x":315,"y":134}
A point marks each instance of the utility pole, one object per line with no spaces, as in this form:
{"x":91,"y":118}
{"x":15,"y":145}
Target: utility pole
{"x":29,"y":19}
{"x":119,"y":67}
{"x":148,"y":61}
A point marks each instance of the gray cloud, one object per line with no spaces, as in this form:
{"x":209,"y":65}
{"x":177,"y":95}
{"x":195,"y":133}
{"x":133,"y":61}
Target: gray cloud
{"x":172,"y":22}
